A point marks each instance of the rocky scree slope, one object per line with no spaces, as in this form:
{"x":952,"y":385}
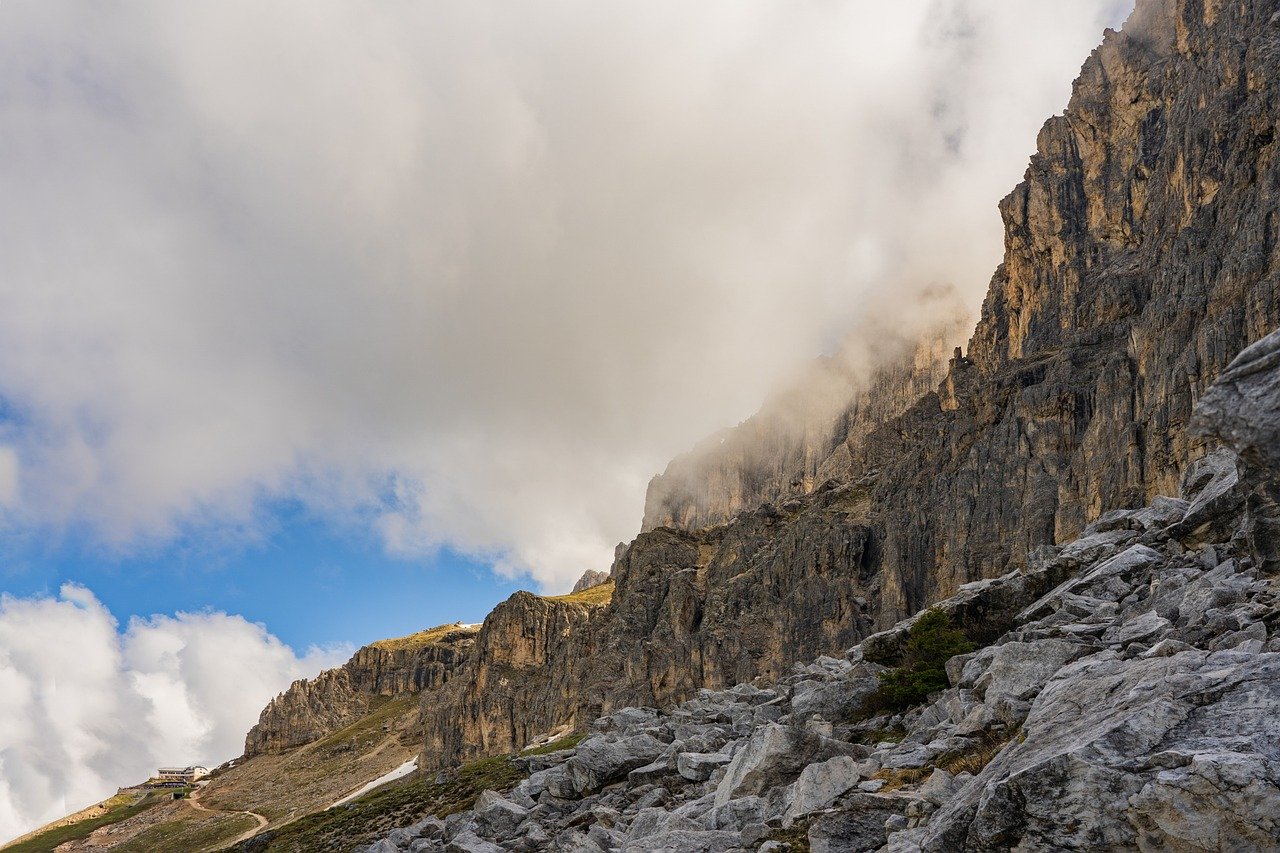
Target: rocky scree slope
{"x":1129,"y":705}
{"x":313,"y":708}
{"x":1141,"y":254}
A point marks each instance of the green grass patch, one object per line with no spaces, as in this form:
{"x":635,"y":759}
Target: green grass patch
{"x":377,"y":813}
{"x":123,"y":808}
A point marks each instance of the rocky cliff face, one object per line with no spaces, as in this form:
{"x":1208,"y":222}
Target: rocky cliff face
{"x":1125,"y":701}
{"x":311,"y":709}
{"x":1141,"y":255}
{"x":517,"y":682}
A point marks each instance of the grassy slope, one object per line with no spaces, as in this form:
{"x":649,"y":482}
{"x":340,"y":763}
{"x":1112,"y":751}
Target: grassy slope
{"x":306,"y":779}
{"x":279,"y":787}
{"x":189,"y":832}
{"x":422,"y":638}
{"x":119,"y":808}
{"x":393,"y":805}
{"x":595,"y":596}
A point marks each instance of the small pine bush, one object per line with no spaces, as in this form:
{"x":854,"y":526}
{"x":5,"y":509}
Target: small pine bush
{"x":931,"y":643}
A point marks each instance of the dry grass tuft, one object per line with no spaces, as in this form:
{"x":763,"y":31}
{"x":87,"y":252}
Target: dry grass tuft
{"x":596,"y":596}
{"x":902,"y":778}
{"x":420,"y":639}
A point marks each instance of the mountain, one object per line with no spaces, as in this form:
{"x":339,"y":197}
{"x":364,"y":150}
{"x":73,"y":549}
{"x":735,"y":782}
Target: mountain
{"x":1140,"y":258}
{"x":1070,"y":498}
{"x":1128,"y":705}
{"x":310,"y":710}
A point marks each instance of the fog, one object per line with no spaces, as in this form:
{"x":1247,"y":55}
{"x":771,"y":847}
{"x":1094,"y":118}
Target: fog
{"x":470,"y":274}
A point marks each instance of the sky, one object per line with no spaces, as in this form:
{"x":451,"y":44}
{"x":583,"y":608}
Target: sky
{"x":323,"y":321}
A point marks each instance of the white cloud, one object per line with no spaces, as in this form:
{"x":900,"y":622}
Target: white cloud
{"x":471,"y":272}
{"x":9,"y":474}
{"x":85,"y":708}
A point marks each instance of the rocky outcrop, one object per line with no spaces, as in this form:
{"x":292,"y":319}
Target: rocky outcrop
{"x":1129,"y":705}
{"x":590,"y":578}
{"x":311,"y":709}
{"x":514,"y":684}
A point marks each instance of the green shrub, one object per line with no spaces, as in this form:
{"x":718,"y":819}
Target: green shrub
{"x":930,"y":644}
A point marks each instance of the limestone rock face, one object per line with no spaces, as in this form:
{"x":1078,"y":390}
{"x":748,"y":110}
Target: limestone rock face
{"x":590,"y":578}
{"x":311,"y":709}
{"x":519,"y":681}
{"x":1141,"y":257}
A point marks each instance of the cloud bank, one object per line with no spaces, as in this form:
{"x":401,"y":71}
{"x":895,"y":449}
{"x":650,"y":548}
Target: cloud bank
{"x":470,"y":273}
{"x":85,"y":708}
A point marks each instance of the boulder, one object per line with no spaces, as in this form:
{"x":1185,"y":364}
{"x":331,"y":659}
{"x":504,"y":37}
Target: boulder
{"x":602,"y":760}
{"x":698,"y":766}
{"x":858,"y":826}
{"x":774,"y":755}
{"x":496,"y":816}
{"x":819,"y":785}
{"x":469,"y":842}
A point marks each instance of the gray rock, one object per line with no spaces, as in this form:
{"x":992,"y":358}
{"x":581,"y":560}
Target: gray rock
{"x":1020,"y":670}
{"x":468,"y":842}
{"x":820,"y":784}
{"x":1243,"y":406}
{"x":774,"y":755}
{"x":839,"y":699}
{"x":1166,"y":648}
{"x":736,"y":815}
{"x":858,"y":826}
{"x":653,"y":772}
{"x":602,"y":760}
{"x":686,"y":841}
{"x":496,"y":816}
{"x":1116,"y":751}
{"x":1147,"y":627}
{"x":698,"y":766}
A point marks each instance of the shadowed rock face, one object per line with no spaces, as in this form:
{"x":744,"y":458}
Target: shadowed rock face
{"x":1140,"y":258}
{"x":311,"y":709}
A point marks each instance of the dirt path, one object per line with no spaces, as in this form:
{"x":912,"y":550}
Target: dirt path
{"x":195,"y":803}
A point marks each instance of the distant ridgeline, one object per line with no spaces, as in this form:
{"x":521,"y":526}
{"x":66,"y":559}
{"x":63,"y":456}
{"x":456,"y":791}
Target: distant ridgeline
{"x":311,"y":709}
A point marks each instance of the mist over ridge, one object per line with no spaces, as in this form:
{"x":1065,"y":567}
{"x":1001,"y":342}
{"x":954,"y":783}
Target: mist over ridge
{"x":471,"y":275}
